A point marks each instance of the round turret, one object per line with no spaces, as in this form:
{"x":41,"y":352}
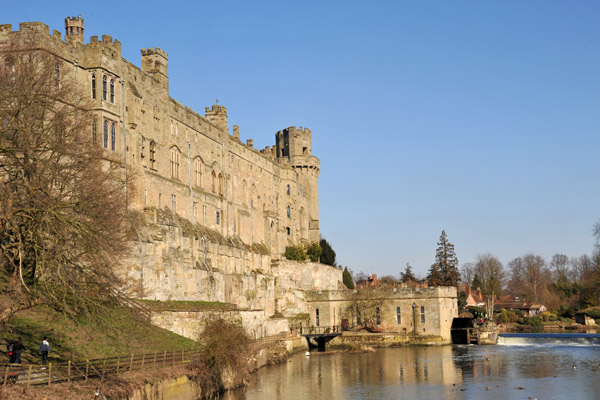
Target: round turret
{"x":74,"y":28}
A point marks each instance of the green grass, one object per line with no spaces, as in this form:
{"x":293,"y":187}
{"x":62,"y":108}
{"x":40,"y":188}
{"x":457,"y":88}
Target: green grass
{"x":121,"y":333}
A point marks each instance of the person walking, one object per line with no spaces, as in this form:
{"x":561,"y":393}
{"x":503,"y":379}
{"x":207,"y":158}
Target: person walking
{"x":18,"y":348}
{"x":44,"y":349}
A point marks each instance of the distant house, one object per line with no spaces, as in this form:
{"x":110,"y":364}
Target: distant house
{"x":517,"y":305}
{"x":475,"y":299}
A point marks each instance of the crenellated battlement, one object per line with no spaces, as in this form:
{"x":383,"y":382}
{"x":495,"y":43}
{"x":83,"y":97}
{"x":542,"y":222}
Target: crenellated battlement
{"x":217,"y":115}
{"x":292,"y":130}
{"x":155,"y":51}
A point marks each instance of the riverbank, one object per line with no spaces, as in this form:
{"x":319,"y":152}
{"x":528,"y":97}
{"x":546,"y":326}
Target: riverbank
{"x":179,"y":382}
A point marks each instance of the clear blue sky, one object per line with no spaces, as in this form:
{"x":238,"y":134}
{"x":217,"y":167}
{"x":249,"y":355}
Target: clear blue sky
{"x":477,"y":117}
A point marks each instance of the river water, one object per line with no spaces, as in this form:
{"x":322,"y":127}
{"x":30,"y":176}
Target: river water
{"x":442,"y":372}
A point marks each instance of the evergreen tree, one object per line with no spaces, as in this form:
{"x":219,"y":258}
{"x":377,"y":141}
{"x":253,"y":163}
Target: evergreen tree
{"x":347,"y":278}
{"x":328,"y":255}
{"x":444,"y":272}
{"x":407,"y":274}
{"x":434,"y":278}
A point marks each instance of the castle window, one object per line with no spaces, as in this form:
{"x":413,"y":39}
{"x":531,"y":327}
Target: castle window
{"x":198,"y":171}
{"x":104,"y":87}
{"x":398,"y":316}
{"x":57,"y":76}
{"x":9,"y":62}
{"x":113,"y":137}
{"x":112,"y":91}
{"x":195,"y":209}
{"x":289,"y":212}
{"x":317,"y":316}
{"x":173,"y":203}
{"x":221,"y":184}
{"x":175,"y":156}
{"x":214,"y":182}
{"x":94,"y":131}
{"x":422,"y":314}
{"x":289,"y":231}
{"x":288,"y":190}
{"x":142,"y":149}
{"x":105,"y":134}
{"x":377,"y":316}
{"x":218,"y":217}
{"x":152,"y":154}
{"x":94,"y":86}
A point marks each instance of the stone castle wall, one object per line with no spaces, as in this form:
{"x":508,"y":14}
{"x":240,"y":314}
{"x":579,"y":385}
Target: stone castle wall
{"x":179,"y":159}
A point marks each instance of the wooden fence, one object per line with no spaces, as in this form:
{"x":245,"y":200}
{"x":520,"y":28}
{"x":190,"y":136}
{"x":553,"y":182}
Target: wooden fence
{"x":35,"y":374}
{"x":82,"y":370}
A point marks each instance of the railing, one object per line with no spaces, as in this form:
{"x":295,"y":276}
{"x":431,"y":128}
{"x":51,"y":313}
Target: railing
{"x":35,"y":374}
{"x":317,"y":330}
{"x":82,"y":370}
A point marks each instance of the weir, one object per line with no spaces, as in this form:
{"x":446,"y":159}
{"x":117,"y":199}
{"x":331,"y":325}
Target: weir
{"x":549,"y":339}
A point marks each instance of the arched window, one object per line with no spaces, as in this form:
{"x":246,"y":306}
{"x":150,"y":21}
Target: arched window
{"x":152,"y":154}
{"x":94,"y":131}
{"x":422,"y":314}
{"x":289,"y":231}
{"x":104,"y":87}
{"x":105,"y":134}
{"x":214,"y":182}
{"x":9,"y":62}
{"x":175,"y":157}
{"x":288,"y":190}
{"x":112,"y":91}
{"x":198,"y":171}
{"x":221,"y":184}
{"x":94,"y":86}
{"x":289,"y":212}
{"x":113,"y":137}
{"x":398,"y":316}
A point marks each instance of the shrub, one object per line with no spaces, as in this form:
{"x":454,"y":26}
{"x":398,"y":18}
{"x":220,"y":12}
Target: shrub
{"x":295,"y":253}
{"x":223,"y":346}
{"x":314,"y":251}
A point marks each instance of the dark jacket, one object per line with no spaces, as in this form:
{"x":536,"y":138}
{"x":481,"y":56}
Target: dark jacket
{"x":18,"y":346}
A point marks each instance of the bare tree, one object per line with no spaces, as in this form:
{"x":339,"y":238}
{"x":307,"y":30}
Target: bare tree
{"x":560,"y":268}
{"x":489,"y":276}
{"x":366,"y":304}
{"x":529,"y":277}
{"x":62,"y":206}
{"x":467,"y":272}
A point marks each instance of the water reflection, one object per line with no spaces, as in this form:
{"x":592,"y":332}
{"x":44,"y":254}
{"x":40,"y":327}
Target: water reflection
{"x":451,"y":372}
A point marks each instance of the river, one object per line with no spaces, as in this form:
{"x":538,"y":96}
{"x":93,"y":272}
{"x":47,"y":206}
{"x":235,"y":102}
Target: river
{"x":440,"y":372}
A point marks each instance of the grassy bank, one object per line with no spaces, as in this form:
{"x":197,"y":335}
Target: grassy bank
{"x":120,"y":332}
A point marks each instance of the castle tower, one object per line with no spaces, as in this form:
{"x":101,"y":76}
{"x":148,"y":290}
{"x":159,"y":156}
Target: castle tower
{"x":74,"y":28}
{"x":294,"y":148}
{"x":218,"y":116}
{"x":155,"y":62}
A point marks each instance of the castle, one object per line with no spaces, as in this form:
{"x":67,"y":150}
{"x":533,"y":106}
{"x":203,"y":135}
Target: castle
{"x":219,"y":213}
